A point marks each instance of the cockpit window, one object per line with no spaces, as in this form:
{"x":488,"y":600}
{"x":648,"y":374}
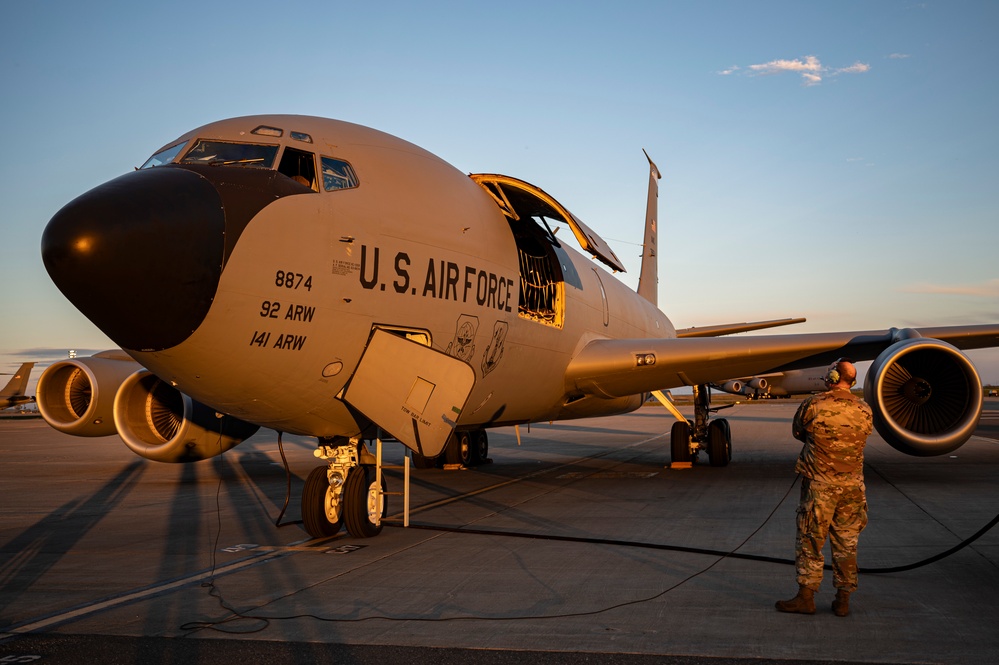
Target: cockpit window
{"x":300,"y":166}
{"x":164,"y":156}
{"x":338,"y":174}
{"x":223,"y":153}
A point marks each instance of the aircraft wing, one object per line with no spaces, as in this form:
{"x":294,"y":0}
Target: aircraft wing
{"x":615,"y":368}
{"x":732,"y":328}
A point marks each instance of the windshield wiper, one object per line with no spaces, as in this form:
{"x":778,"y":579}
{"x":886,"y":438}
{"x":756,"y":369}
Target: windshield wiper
{"x":230,"y":162}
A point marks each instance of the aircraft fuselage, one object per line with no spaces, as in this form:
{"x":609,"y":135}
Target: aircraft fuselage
{"x":295,"y":277}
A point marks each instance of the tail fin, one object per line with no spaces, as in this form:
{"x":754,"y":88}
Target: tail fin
{"x":648,"y":279}
{"x":17,"y":385}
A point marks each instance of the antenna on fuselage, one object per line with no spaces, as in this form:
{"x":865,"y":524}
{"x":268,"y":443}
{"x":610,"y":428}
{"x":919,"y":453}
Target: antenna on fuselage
{"x":648,"y":278}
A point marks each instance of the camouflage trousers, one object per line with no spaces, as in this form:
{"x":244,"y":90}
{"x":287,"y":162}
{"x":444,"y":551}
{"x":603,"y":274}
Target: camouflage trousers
{"x":839,"y":513}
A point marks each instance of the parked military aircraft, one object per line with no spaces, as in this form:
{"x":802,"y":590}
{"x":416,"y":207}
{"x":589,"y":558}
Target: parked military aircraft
{"x":776,"y":384}
{"x":326,"y":279}
{"x":12,"y":394}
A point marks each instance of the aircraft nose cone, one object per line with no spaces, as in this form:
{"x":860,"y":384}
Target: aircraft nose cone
{"x":141,"y":255}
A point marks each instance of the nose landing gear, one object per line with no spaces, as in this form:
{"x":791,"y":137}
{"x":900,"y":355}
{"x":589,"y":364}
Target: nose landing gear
{"x":344,"y":492}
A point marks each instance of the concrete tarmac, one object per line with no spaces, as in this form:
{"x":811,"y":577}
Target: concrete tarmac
{"x":585,"y":549}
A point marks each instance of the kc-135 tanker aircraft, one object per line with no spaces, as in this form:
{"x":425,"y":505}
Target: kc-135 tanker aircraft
{"x":326,"y":279}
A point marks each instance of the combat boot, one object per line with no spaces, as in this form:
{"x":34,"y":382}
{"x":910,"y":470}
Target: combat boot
{"x":803,"y":603}
{"x":841,"y":606}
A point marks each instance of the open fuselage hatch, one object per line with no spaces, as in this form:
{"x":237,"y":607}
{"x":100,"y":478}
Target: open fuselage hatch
{"x":529,"y":209}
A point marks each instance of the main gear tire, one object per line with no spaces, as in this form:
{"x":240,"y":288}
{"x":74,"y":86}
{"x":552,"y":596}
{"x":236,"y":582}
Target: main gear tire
{"x":480,"y":447}
{"x":322,"y":511}
{"x":679,"y":442}
{"x":363,"y":503}
{"x":459,"y":449}
{"x":719,"y":442}
{"x":422,"y":462}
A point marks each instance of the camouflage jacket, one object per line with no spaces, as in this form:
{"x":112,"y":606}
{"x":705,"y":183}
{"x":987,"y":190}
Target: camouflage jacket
{"x":834,"y":426}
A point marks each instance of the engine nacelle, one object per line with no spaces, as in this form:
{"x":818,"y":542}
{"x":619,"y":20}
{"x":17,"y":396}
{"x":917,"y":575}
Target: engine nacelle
{"x":77,"y":396}
{"x":926,"y":396}
{"x":732,"y":387}
{"x":758,"y":383}
{"x":160,"y":423}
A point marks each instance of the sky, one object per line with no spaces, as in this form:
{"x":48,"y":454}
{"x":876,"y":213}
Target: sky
{"x":836,"y":161}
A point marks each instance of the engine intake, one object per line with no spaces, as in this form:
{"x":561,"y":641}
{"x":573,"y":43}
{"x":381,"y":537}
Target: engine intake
{"x":731,"y":387}
{"x":926,"y":396}
{"x":77,"y":396}
{"x":158,"y":422}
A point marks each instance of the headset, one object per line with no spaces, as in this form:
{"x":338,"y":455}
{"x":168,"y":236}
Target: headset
{"x":834,"y":373}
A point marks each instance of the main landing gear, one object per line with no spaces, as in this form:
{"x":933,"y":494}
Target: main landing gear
{"x":345,"y":492}
{"x":467,"y":448}
{"x":688,"y":438}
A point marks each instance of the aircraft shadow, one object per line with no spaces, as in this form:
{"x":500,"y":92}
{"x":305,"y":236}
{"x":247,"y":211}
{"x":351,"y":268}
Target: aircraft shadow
{"x":32,"y":553}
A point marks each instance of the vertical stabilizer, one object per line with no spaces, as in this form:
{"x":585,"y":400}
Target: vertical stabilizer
{"x":17,"y":385}
{"x":648,"y":279}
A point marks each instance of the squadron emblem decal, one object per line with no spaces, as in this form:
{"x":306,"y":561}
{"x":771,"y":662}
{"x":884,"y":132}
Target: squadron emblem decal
{"x":463,"y":344}
{"x":494,"y":350}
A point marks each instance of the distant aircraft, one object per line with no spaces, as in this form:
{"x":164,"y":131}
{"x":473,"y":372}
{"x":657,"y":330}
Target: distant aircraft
{"x":13,"y":393}
{"x":326,"y":279}
{"x":776,"y":384}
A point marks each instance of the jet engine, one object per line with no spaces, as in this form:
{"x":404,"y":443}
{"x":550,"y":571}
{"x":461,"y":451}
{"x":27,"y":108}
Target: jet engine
{"x":732,"y":387}
{"x":77,"y":396}
{"x":926,"y":396}
{"x":160,"y":423}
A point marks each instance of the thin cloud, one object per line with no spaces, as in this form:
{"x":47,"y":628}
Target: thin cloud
{"x":988,"y":289}
{"x":810,"y":68}
{"x":809,"y":64}
{"x":899,"y":56}
{"x":855,"y":68}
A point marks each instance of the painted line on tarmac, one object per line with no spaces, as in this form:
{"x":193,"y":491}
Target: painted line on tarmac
{"x":41,"y":623}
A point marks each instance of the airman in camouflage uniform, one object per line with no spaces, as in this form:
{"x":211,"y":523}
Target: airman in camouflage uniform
{"x":834,"y":427}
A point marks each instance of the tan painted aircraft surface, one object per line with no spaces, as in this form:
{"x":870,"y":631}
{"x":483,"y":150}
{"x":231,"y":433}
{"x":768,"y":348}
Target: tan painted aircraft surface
{"x":327,"y":279}
{"x":12,"y":394}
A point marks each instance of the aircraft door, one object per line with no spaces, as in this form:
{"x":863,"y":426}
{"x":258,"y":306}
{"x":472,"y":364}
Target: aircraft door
{"x":412,"y":391}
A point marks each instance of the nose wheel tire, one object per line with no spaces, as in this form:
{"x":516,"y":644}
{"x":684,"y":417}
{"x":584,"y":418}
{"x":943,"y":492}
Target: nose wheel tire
{"x":322,"y":511}
{"x":364,"y":505}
